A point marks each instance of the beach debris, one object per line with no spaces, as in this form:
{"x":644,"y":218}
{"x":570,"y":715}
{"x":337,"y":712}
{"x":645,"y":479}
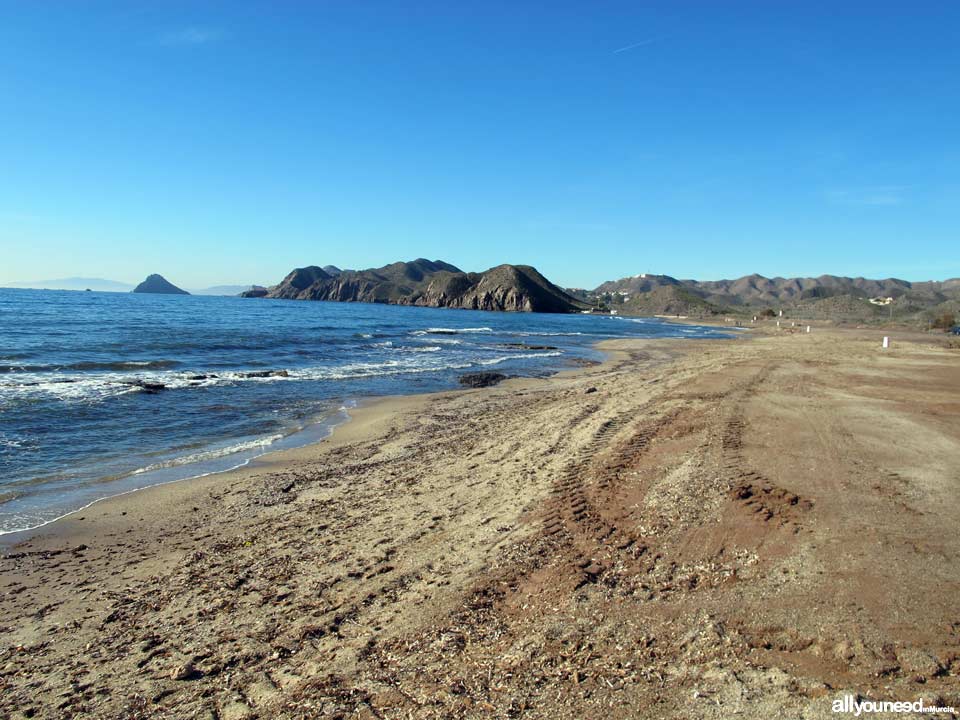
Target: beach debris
{"x":589,"y":390}
{"x":481,"y":379}
{"x":185,"y":671}
{"x":582,"y":362}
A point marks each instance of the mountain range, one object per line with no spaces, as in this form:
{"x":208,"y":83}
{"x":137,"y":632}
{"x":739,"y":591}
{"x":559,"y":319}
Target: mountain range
{"x":521,"y":288}
{"x":73,"y":283}
{"x":428,"y":283}
{"x":826,"y":296}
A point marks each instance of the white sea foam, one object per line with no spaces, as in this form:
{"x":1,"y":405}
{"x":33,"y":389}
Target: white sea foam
{"x":258,"y":443}
{"x":100,"y":386}
{"x":497,"y":361}
{"x":450,"y":331}
{"x":546,"y":334}
{"x":9,"y":442}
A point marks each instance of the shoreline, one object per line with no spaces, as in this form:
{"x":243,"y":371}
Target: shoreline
{"x":61,"y":527}
{"x":12,"y":537}
{"x":605,"y":542}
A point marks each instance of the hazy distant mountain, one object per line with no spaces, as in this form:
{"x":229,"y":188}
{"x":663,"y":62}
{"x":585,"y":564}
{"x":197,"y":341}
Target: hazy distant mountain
{"x":157,"y":284}
{"x":222,"y":290}
{"x":74,"y":283}
{"x":428,"y":283}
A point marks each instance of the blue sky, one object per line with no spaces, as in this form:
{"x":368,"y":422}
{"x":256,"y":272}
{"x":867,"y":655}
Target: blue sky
{"x":227,"y":142}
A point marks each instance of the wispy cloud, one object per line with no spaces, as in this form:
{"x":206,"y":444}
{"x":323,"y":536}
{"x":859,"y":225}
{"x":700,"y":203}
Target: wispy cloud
{"x":189,"y":36}
{"x":876,"y":195}
{"x":626,"y":48}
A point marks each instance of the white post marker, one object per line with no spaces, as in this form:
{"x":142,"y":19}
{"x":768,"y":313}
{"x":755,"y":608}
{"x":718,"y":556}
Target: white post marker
{"x":778,"y":323}
{"x":808,"y":328}
{"x":886,"y":342}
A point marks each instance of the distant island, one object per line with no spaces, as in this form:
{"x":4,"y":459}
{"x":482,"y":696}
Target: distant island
{"x":158,"y":285}
{"x":428,"y":283}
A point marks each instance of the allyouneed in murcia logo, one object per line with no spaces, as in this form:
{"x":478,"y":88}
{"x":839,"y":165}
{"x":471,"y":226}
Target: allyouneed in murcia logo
{"x":849,"y":704}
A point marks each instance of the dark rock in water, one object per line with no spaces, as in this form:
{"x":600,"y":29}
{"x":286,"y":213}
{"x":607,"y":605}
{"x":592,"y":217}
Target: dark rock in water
{"x":202,"y":377}
{"x":524,"y":346}
{"x":158,"y":285}
{"x":481,"y":379}
{"x":149,"y":387}
{"x":257,"y":291}
{"x":267,"y":373}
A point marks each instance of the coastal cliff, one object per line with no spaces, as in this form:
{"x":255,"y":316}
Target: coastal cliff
{"x":426,"y":283}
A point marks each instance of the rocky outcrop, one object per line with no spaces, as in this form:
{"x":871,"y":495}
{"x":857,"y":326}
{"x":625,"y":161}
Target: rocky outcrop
{"x":257,"y":291}
{"x":158,"y":285}
{"x":515,"y":288}
{"x":481,"y":379}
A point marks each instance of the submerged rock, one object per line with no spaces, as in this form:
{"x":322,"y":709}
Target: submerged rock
{"x":149,"y":387}
{"x":267,"y":373}
{"x":525,"y":346}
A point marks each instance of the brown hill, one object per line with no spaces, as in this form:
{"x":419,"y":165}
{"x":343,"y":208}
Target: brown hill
{"x":516,"y":288}
{"x":827,"y":296}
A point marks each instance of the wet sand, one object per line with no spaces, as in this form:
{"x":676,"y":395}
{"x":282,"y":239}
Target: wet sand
{"x":745,"y":528}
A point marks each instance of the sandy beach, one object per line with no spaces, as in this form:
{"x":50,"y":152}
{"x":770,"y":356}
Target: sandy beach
{"x":749,"y":528}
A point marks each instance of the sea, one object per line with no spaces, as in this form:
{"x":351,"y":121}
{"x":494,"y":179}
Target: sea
{"x":106,"y":393}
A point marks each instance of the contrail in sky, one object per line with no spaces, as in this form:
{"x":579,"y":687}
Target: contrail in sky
{"x":635,"y":45}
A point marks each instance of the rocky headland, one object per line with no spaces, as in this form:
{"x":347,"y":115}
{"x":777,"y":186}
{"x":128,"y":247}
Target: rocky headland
{"x":515,"y":288}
